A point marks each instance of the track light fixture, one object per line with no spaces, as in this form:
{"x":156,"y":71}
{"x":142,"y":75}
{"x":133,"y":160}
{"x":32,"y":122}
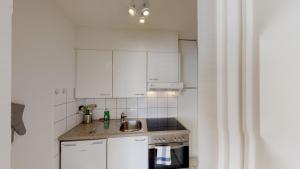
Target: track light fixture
{"x":140,"y":8}
{"x":132,"y":11}
{"x":145,"y":11}
{"x":142,"y":19}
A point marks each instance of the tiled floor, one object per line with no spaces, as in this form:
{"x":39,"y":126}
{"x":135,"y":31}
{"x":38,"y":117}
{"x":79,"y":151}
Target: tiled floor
{"x":193,"y":163}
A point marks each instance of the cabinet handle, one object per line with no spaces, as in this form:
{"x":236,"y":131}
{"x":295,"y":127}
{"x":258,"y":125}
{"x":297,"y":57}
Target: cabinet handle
{"x":103,"y":94}
{"x":139,"y":94}
{"x":153,"y":79}
{"x":99,"y":142}
{"x":139,"y":139}
{"x":69,"y":145}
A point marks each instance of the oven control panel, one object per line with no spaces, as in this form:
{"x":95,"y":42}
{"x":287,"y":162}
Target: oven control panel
{"x":176,"y":138}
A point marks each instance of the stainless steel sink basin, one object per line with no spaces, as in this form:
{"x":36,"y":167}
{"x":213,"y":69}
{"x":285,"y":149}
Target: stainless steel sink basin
{"x":131,"y":126}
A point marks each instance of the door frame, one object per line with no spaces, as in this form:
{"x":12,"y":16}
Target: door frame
{"x":6,"y":9}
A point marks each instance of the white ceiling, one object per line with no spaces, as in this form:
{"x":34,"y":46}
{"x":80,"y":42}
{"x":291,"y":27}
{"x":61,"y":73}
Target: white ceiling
{"x":174,"y":15}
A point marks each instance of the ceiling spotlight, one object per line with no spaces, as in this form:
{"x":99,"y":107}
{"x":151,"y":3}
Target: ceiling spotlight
{"x":132,"y":11}
{"x":142,"y":20}
{"x":145,"y":11}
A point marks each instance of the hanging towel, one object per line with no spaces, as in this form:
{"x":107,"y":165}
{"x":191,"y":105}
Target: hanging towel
{"x":17,"y":124}
{"x":163,"y":155}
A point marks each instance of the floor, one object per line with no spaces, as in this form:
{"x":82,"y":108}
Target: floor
{"x":193,"y":163}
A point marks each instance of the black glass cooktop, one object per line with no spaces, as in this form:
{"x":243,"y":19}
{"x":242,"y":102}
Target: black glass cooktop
{"x":164,"y":124}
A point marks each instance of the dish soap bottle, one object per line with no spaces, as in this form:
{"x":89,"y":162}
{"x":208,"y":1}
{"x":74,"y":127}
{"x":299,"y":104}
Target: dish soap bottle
{"x":106,"y":115}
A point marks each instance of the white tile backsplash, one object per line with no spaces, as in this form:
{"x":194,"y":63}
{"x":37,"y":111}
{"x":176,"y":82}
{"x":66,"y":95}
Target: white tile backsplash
{"x":72,"y":108}
{"x":152,"y":113}
{"x":90,"y":101}
{"x":172,"y":102}
{"x":162,"y":102}
{"x":159,"y":105}
{"x":122,"y":103}
{"x":172,"y":112}
{"x":98,"y":113}
{"x":71,"y":121}
{"x":142,"y":102}
{"x":110,"y":103}
{"x":113,"y":114}
{"x":152,"y":102}
{"x":142,"y":113}
{"x":71,"y":95}
{"x":60,"y":127}
{"x":100,"y":103}
{"x":132,"y":103}
{"x":60,"y":112}
{"x":132,"y":113}
{"x":162,"y":112}
{"x":120,"y":111}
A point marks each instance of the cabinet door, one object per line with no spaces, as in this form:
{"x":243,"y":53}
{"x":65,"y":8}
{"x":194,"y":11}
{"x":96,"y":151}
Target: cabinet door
{"x":127,"y":153}
{"x":189,"y":63}
{"x":163,"y":67}
{"x":94,"y":74}
{"x":129,"y":74}
{"x":83,"y":154}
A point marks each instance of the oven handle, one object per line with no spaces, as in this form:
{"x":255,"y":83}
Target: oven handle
{"x":172,"y":145}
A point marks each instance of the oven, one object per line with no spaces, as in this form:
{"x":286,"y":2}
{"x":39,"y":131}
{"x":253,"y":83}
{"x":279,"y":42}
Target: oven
{"x":179,"y":145}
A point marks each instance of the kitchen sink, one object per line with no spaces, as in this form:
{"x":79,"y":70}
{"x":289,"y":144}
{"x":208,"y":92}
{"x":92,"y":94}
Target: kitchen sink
{"x":131,"y":126}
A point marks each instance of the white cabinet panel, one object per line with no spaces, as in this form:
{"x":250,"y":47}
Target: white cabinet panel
{"x":163,"y":67}
{"x":187,"y":115}
{"x":83,"y":154}
{"x":127,"y":153}
{"x":189,"y":63}
{"x":129,"y":74}
{"x":94,"y":74}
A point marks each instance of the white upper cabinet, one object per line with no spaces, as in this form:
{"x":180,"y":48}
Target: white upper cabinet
{"x":189,"y":63}
{"x":163,"y":67}
{"x":129,"y":74}
{"x":94,"y":74}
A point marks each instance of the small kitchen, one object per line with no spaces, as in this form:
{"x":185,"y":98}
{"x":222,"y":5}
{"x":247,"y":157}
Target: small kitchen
{"x":106,"y":84}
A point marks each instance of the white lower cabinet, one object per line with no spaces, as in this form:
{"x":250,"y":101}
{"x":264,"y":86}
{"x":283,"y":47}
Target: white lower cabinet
{"x":127,"y":153}
{"x":90,"y":154}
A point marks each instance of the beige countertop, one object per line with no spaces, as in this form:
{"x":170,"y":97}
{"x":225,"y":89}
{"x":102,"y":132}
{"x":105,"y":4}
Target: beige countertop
{"x":96,"y":130}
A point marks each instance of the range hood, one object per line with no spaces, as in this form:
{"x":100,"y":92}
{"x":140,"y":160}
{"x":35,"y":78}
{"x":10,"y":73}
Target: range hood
{"x":165,"y":87}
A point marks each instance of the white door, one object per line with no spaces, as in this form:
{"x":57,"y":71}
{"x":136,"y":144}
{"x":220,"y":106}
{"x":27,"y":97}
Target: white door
{"x":127,"y":153}
{"x":129,"y":74}
{"x":189,"y":63}
{"x":83,"y":154}
{"x":94,"y":74}
{"x":163,"y":67}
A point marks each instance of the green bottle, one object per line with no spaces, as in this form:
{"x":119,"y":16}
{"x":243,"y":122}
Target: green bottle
{"x":106,"y":115}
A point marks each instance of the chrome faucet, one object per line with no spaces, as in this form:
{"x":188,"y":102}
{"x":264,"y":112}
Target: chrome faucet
{"x":123,"y":117}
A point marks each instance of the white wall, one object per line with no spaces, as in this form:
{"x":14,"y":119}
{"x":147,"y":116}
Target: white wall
{"x":5,"y":81}
{"x":135,"y":40}
{"x":207,"y":85}
{"x":277,"y":40}
{"x":43,"y":60}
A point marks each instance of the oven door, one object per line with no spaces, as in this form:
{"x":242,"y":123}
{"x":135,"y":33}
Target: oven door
{"x":179,"y":156}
